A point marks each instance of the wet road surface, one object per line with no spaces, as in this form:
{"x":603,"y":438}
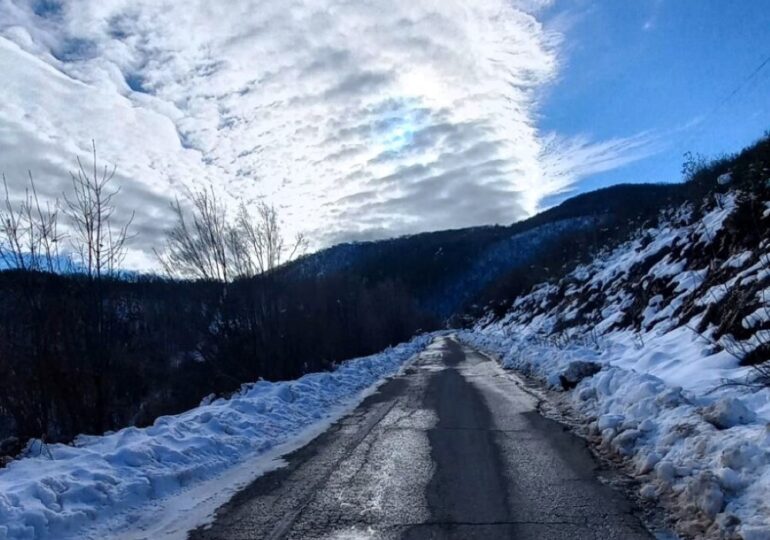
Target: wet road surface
{"x":453,"y":448}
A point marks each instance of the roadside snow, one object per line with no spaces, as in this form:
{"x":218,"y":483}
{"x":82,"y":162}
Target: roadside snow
{"x":653,"y":391}
{"x":708,"y":453}
{"x":103,"y":484}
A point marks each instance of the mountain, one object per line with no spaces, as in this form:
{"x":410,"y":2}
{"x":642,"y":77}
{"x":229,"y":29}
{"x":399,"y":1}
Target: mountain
{"x":447,"y":270}
{"x":460,"y":272}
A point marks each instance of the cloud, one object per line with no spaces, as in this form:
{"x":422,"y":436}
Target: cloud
{"x":565,"y":161}
{"x":358,"y":119}
{"x":652,"y":20}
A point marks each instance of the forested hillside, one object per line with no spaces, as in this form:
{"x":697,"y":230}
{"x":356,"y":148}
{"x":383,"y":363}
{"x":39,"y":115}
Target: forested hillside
{"x":447,"y":271}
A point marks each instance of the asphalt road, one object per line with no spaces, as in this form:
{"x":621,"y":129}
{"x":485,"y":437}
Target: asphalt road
{"x":454,"y":448}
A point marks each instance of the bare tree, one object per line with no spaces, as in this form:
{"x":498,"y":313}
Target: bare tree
{"x":14,"y":232}
{"x":29,"y":241}
{"x":264,"y":240}
{"x":207,"y":245}
{"x":238,"y":249}
{"x":197,"y":246}
{"x":99,"y":244}
{"x":29,"y":235}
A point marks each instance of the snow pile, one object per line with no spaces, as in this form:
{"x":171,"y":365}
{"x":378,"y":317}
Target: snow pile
{"x":69,"y":488}
{"x":648,"y":341}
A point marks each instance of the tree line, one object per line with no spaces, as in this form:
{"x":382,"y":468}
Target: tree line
{"x":87,"y":348}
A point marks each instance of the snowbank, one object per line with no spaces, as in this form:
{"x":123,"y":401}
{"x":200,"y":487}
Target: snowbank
{"x":630,"y":338}
{"x":720,"y":472}
{"x":61,"y":494}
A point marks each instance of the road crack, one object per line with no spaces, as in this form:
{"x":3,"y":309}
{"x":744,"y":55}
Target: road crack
{"x":283,"y":526}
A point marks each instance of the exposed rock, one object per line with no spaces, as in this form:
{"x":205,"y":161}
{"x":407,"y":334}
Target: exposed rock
{"x":728,"y":412}
{"x":576,"y":372}
{"x":724,"y":179}
{"x":705,"y":492}
{"x":648,"y":492}
{"x":10,"y":446}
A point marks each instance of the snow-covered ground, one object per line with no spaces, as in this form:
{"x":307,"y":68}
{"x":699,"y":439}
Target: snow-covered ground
{"x":634,"y":339}
{"x":160,"y":481}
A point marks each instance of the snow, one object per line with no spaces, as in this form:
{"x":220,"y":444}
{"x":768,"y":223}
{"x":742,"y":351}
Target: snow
{"x":666,"y":431}
{"x":713,"y":221}
{"x":658,"y":396}
{"x":99,"y":485}
{"x":761,"y":315}
{"x":728,"y":412}
{"x":740,"y":260}
{"x":725,"y":178}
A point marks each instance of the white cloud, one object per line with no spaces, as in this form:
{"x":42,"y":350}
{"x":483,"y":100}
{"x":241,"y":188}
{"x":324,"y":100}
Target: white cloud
{"x":361,"y":119}
{"x":565,"y":161}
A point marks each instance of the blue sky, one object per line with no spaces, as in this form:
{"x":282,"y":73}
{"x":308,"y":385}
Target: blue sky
{"x":374,"y":118}
{"x":664,"y":67}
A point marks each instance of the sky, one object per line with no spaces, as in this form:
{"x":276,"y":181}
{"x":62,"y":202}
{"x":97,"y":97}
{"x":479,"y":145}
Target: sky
{"x":367,"y":119}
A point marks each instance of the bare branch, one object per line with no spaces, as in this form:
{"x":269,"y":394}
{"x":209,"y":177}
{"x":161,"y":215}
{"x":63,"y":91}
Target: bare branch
{"x":99,"y":243}
{"x":206,"y":245}
{"x":29,"y":234}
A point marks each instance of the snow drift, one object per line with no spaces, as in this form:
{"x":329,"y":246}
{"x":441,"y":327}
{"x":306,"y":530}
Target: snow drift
{"x":59,"y":491}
